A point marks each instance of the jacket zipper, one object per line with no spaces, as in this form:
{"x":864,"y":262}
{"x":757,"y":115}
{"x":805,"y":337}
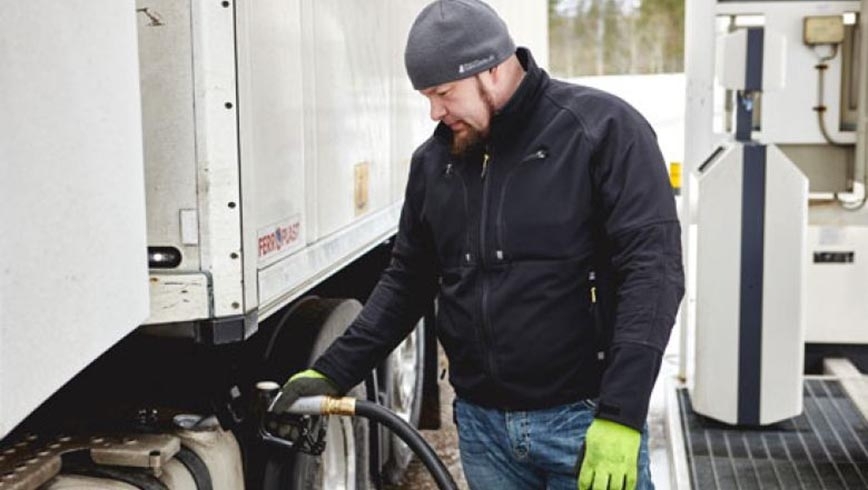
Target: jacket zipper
{"x":540,"y":154}
{"x":537,"y":155}
{"x":486,"y":323}
{"x":598,"y":327}
{"x":592,"y":277}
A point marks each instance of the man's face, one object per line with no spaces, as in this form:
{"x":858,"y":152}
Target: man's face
{"x":466,"y":106}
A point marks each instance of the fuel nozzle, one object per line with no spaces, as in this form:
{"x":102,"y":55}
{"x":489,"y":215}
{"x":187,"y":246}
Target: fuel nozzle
{"x":300,"y":429}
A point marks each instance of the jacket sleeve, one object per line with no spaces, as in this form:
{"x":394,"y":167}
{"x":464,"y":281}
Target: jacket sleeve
{"x":642,"y":230}
{"x":398,"y":301}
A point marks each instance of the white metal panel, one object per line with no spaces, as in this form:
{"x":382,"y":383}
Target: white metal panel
{"x":74,"y":281}
{"x":715,"y":390}
{"x":731,"y":59}
{"x":699,"y":37}
{"x":787,"y":114}
{"x":179,"y":297}
{"x":784,"y":262}
{"x":837,"y":308}
{"x":411,"y":124}
{"x":775,"y":61}
{"x":166,"y":71}
{"x":271,"y":122}
{"x":286,"y":280}
{"x":219,"y":182}
{"x":189,"y":219}
{"x":347,"y":58}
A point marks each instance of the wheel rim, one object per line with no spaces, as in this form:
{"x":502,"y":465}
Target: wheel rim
{"x":339,"y":457}
{"x":404,"y":364}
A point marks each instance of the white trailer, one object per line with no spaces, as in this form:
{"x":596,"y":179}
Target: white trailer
{"x":257,"y":150}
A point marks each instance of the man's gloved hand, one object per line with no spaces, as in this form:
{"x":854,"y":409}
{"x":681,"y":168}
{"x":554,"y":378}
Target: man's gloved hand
{"x":305,"y":383}
{"x":611,"y":457}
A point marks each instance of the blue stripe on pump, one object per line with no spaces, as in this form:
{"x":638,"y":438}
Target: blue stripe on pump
{"x":751,"y":294}
{"x":753,"y":77}
{"x":753,"y":82}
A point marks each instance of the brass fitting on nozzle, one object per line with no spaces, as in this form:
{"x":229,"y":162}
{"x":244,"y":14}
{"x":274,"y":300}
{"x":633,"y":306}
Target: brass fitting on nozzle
{"x":339,"y":406}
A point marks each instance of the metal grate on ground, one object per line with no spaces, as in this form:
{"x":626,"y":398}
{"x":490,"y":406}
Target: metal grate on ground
{"x":824,"y":448}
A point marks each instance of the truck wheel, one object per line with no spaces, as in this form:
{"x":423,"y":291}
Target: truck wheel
{"x":344,"y":464}
{"x":404,"y":383}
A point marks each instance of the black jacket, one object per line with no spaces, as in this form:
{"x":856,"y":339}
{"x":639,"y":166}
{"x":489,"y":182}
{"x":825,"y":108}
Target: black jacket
{"x":557,"y":268}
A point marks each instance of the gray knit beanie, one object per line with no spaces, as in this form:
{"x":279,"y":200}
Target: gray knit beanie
{"x":455,"y":39}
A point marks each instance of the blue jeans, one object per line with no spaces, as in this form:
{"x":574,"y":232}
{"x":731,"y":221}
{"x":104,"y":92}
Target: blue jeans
{"x":529,"y":450}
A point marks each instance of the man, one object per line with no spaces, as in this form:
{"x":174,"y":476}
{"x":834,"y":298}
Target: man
{"x":540,"y":215}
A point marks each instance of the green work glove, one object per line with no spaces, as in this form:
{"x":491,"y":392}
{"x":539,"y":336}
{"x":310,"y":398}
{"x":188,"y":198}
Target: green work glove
{"x":306,"y":383}
{"x":611,"y":459}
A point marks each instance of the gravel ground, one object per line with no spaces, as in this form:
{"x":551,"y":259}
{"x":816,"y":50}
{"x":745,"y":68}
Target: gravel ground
{"x":444,"y":442}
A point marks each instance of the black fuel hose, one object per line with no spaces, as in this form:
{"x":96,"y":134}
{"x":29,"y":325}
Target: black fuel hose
{"x":324,"y":405}
{"x":409,"y":435}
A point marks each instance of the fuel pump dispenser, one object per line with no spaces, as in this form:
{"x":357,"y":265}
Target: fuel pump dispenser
{"x":752,"y":222}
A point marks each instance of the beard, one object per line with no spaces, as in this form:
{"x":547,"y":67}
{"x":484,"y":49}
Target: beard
{"x":465,"y":139}
{"x":469,"y":137}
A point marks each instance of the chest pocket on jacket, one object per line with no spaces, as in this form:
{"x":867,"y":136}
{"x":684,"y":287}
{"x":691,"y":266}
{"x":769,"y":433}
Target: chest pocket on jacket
{"x":447,"y":204}
{"x":542,"y":209}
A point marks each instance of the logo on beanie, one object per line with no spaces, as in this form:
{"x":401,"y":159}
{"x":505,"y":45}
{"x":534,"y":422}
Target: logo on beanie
{"x":470,"y":65}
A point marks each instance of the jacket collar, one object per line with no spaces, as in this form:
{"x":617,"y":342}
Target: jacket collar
{"x":512,"y":116}
{"x":525,"y":98}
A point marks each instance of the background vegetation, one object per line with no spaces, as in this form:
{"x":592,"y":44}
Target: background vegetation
{"x":611,"y":37}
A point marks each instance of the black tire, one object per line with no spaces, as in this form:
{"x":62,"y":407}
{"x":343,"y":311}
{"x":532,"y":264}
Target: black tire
{"x":329,"y":318}
{"x":399,"y":454}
